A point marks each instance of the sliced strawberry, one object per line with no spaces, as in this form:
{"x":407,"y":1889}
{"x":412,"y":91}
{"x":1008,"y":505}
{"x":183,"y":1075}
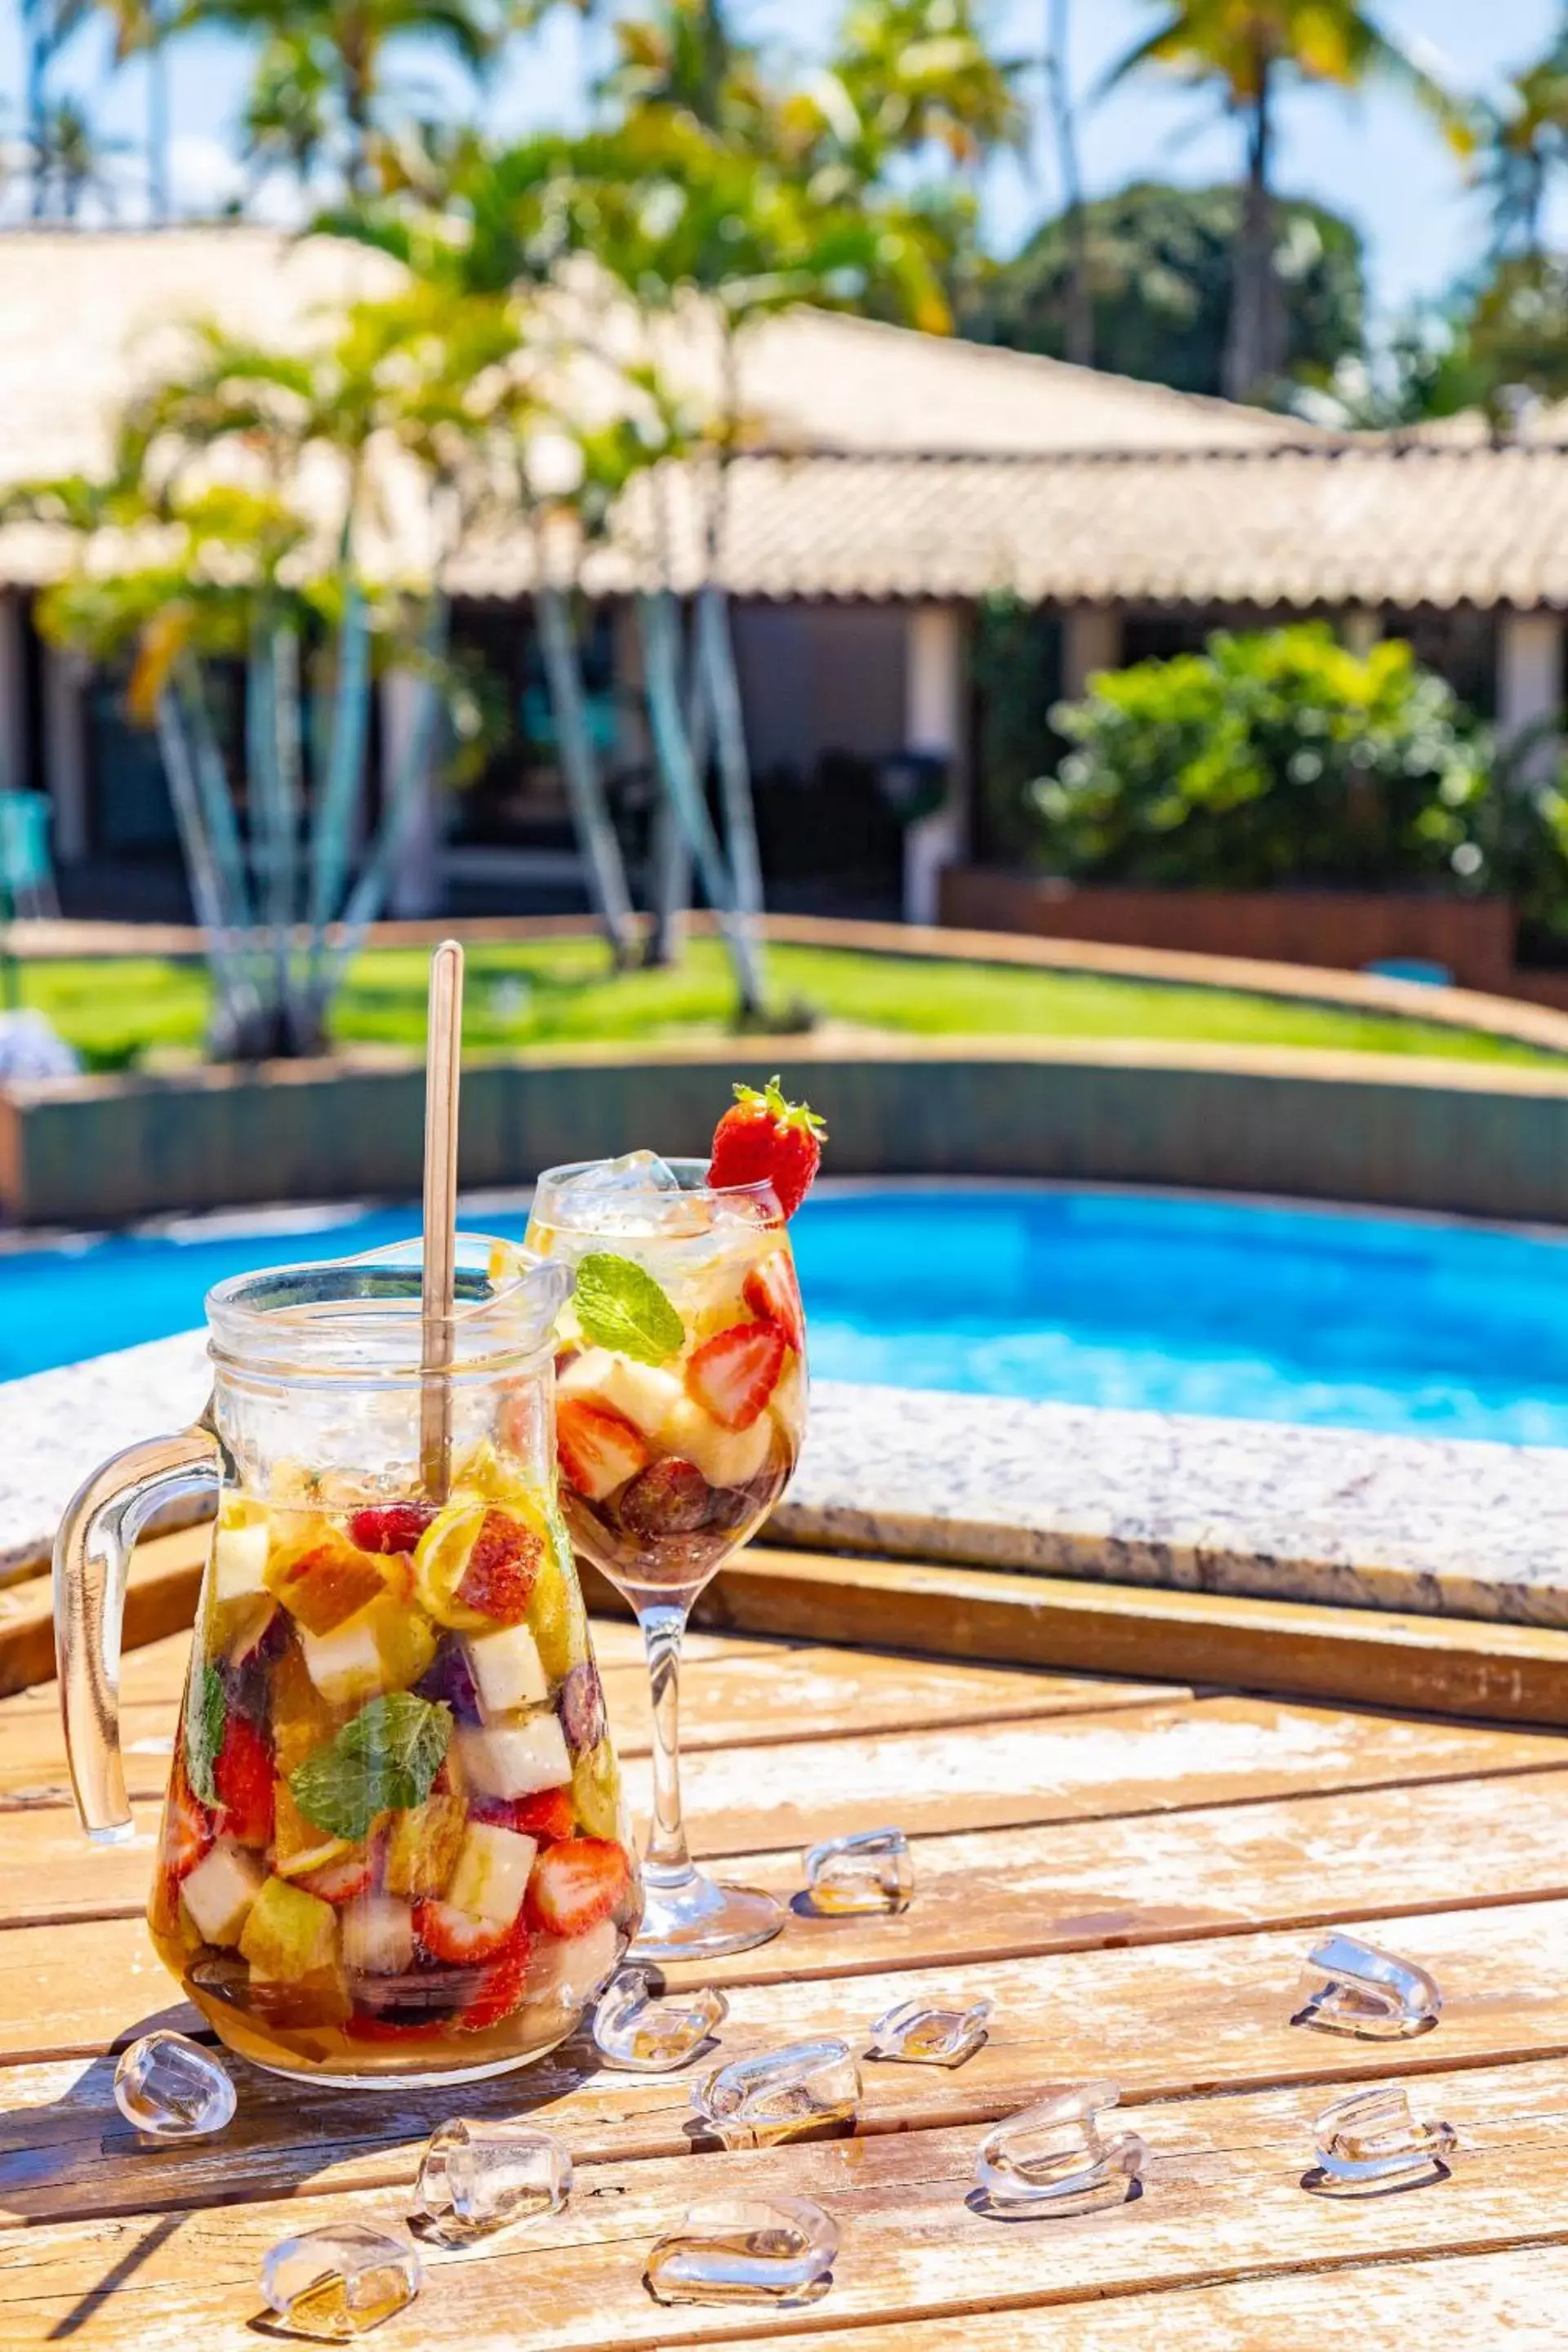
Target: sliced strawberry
{"x":502,"y":1568}
{"x":501,"y":1988}
{"x":390,"y":1527}
{"x":188,"y":1835}
{"x":457,"y":1936}
{"x":339,"y":1881}
{"x":772,"y":1292}
{"x":670,"y":1498}
{"x":577,"y":1883}
{"x":733,"y":1374}
{"x":598,"y":1448}
{"x":549,"y":1816}
{"x":244,"y":1780}
{"x":763,"y":1140}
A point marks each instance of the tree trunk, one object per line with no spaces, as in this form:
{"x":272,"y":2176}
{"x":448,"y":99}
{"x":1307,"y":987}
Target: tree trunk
{"x":337,"y":792}
{"x":369,"y":893}
{"x":672,"y":750}
{"x":670,"y":855}
{"x":157,"y":123}
{"x":597,"y":838}
{"x":1080,"y":298}
{"x":1252,"y":355}
{"x":236,"y":1012}
{"x":38,"y":44}
{"x":716,"y":667}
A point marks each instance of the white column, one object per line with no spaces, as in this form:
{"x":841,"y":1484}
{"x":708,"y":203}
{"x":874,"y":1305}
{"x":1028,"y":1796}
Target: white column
{"x":65,"y":751}
{"x":1530,"y":678}
{"x":418,"y":886}
{"x":934,"y":724}
{"x":13,"y":737}
{"x":1092,"y":640}
{"x":1360,"y":627}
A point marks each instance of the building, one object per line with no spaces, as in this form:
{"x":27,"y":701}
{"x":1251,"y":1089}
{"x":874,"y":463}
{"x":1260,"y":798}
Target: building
{"x":895,"y":482}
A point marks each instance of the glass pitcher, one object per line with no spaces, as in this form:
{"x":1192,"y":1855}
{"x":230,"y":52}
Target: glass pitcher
{"x":394,"y":1842}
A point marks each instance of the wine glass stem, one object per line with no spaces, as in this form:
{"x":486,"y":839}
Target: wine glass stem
{"x":667,"y":1862}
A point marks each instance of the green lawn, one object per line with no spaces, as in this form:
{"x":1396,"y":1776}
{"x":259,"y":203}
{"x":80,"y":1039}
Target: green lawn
{"x":563,"y":990}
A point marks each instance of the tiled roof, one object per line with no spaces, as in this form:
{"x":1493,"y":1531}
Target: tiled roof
{"x":1345,"y":525}
{"x":899,"y":465}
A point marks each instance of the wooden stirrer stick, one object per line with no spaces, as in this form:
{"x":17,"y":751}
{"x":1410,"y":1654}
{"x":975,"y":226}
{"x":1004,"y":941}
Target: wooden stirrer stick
{"x":443,"y":1052}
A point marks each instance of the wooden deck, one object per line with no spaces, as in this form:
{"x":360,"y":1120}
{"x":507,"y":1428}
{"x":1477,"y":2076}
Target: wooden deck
{"x":1129,"y":1865}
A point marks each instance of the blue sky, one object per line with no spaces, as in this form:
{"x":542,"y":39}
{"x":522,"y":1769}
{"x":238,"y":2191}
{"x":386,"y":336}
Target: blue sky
{"x":1375,"y":158}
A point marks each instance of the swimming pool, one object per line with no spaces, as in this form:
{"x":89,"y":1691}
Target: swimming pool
{"x":1146,"y":1300}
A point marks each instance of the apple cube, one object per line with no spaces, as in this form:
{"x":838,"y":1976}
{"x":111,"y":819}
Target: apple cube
{"x":726,"y":1457}
{"x":423,"y":1848}
{"x":514,"y":1760}
{"x":288,"y":1934}
{"x":569,"y":1973}
{"x":378,"y":1936}
{"x":240,"y":1560}
{"x":507,"y":1670}
{"x":643,"y":1392}
{"x":219,"y":1893}
{"x":385,"y":1647}
{"x":492,"y":1873}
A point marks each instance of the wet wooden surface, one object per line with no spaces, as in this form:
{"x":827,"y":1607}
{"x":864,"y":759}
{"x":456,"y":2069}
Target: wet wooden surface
{"x":1130,"y":1867}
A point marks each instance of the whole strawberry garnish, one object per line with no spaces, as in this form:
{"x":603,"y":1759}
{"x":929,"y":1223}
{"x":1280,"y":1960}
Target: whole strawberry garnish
{"x":765,"y":1140}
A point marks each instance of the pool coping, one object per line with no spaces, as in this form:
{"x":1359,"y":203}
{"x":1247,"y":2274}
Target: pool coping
{"x":1459,"y":1527}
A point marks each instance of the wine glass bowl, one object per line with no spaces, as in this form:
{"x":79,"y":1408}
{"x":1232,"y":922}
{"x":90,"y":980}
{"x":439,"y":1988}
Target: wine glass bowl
{"x":680,"y":1406}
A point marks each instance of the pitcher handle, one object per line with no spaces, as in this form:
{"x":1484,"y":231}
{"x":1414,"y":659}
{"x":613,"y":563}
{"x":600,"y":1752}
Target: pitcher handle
{"x":92,"y":1555}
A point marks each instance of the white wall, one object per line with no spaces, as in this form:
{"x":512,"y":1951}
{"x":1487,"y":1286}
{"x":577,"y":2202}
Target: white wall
{"x":1530,"y":676}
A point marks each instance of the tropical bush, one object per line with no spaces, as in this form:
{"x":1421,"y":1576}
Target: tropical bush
{"x":1282,"y":757}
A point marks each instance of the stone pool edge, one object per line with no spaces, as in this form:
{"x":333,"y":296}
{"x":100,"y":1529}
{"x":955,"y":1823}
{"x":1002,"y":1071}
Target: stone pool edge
{"x":1260,"y":1509}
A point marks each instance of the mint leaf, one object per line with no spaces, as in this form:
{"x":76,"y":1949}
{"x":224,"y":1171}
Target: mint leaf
{"x":620,"y":1306}
{"x":206,"y":1713}
{"x":389,"y":1755}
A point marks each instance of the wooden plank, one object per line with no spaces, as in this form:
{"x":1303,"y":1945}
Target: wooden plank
{"x":1222,"y":2198}
{"x":1194,"y":2017}
{"x":1516,"y":2298}
{"x":156,"y":1669}
{"x":765,"y":1697}
{"x":745,"y":1801}
{"x":1443,"y":1665}
{"x":1154,"y":1880}
{"x":160,"y":1597}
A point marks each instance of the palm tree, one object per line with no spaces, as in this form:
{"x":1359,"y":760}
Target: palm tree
{"x":342,"y":47}
{"x":73,"y":161}
{"x":47,"y":27}
{"x":920,"y":74}
{"x":1249,"y":50}
{"x":1075,"y":220}
{"x":1524,"y":146}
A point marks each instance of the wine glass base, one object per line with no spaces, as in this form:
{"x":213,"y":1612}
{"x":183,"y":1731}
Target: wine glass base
{"x":694,"y":1918}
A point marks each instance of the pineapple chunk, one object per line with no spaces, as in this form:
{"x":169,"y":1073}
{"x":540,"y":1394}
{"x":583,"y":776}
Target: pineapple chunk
{"x":298,"y":1846}
{"x":385,"y":1647}
{"x":597,"y":1794}
{"x":726,"y":1457}
{"x":423,"y":1848}
{"x":301,"y":1719}
{"x":219,"y":1893}
{"x":556,"y":1617}
{"x":507,"y":1670}
{"x":240,"y":1562}
{"x":378,"y":1936}
{"x":514,"y":1760}
{"x":492,"y":1873}
{"x":288,"y":1934}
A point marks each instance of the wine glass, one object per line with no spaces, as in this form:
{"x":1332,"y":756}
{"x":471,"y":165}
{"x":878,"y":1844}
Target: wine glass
{"x":681,"y":1405}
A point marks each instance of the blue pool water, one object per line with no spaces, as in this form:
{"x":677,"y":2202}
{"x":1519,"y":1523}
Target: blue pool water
{"x":1140,"y":1299}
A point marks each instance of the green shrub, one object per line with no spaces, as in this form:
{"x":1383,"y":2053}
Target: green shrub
{"x":1268,"y":759}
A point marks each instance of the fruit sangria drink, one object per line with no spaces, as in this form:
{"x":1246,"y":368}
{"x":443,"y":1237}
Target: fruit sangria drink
{"x":681,"y":1408}
{"x":394,"y":1842}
